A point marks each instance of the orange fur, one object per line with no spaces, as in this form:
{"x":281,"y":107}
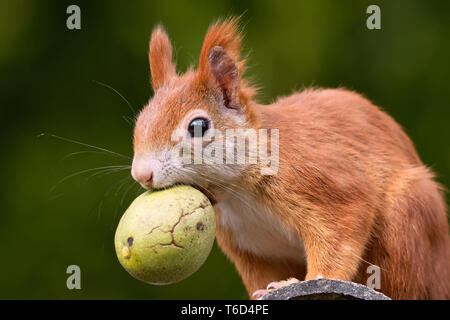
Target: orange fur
{"x":161,"y":58}
{"x":350,"y":185}
{"x":226,"y":35}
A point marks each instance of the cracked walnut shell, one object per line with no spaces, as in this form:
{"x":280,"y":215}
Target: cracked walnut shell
{"x":166,"y":235}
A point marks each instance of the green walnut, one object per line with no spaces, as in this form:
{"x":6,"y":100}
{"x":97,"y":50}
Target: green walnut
{"x":165,"y":236}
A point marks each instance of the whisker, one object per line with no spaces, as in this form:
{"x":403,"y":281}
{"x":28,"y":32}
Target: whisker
{"x":139,"y":187}
{"x":120,"y":95}
{"x":82,"y":152}
{"x":55,"y":197}
{"x":99,"y":209}
{"x":128,"y":120}
{"x":108,"y":191}
{"x":120,"y":188}
{"x":78,"y":173}
{"x":126,"y":192}
{"x":227,"y":183}
{"x":369,"y":263}
{"x":218,"y":184}
{"x":138,"y":190}
{"x":105,"y":172}
{"x":84,"y":144}
{"x":116,"y":212}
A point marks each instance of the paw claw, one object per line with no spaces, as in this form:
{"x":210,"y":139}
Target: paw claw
{"x":259,"y":293}
{"x":273,"y":285}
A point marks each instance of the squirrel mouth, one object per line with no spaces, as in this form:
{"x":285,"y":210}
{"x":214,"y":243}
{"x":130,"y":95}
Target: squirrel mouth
{"x":203,"y":190}
{"x":207,"y":193}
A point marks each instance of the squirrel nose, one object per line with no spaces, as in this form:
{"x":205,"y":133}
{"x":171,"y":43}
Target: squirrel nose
{"x":145,"y":179}
{"x":143,"y":175}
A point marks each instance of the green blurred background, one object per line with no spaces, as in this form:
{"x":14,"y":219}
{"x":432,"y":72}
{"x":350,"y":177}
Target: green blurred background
{"x":48,"y":76}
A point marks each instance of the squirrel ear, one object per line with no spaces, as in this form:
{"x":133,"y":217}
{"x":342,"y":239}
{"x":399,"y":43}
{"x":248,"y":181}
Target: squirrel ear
{"x":220,"y":64}
{"x":161,"y":66}
{"x":226,"y":74}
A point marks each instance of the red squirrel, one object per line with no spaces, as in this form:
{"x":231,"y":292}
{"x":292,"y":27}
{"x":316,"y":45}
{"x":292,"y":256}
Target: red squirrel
{"x":350,"y":190}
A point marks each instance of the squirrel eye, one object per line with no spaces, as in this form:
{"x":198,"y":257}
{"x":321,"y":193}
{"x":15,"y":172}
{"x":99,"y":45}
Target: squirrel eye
{"x":198,"y":127}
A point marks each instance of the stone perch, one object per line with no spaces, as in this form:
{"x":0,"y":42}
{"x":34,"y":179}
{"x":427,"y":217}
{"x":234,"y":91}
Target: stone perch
{"x":324,"y":289}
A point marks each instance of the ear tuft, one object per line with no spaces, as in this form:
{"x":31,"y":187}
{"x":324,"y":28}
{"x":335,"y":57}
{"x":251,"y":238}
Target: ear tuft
{"x":161,"y":66}
{"x":224,"y":34}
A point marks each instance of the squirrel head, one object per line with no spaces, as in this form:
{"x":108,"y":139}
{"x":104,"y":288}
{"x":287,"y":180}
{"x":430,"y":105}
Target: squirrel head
{"x":214,"y":97}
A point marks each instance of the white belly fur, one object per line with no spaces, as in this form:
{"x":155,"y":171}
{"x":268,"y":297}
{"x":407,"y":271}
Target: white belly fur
{"x":256,"y":230}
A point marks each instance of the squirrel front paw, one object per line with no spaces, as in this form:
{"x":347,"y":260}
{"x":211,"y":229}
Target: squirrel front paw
{"x":273,"y":286}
